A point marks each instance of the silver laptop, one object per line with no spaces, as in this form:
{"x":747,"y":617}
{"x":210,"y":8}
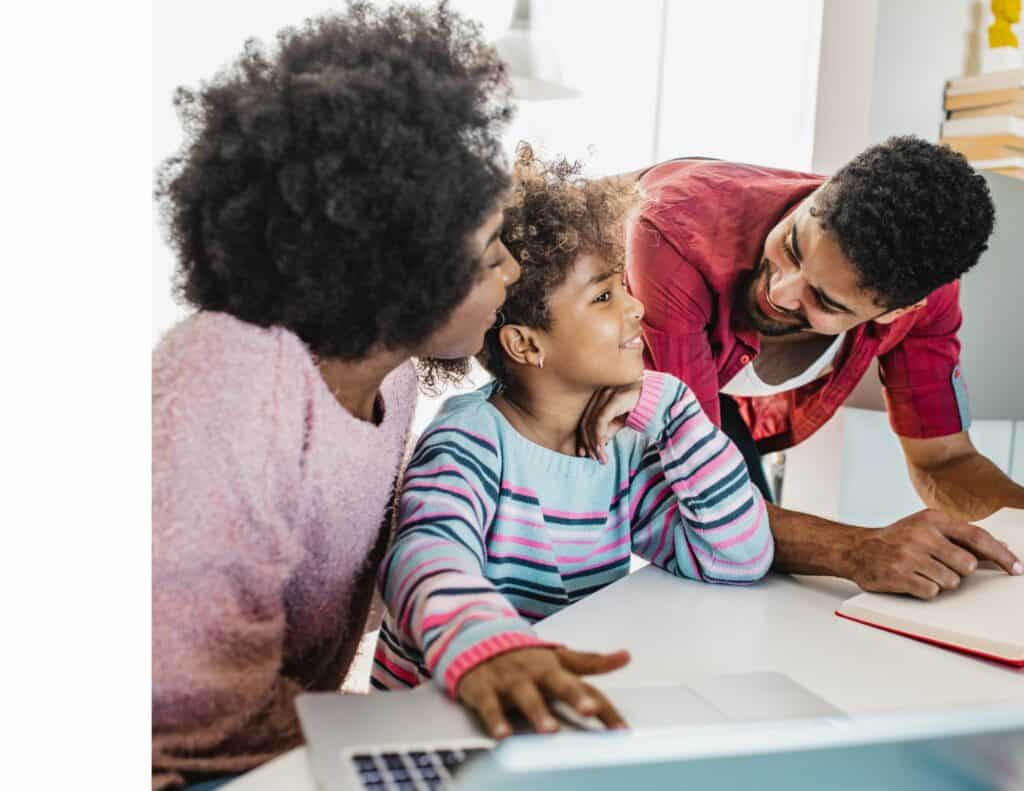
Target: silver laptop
{"x":421,"y":740}
{"x":971,"y":748}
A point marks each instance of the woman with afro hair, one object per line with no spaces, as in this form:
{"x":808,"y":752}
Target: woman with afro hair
{"x":336,"y":212}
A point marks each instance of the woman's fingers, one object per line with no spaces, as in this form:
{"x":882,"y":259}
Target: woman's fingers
{"x":588,"y":663}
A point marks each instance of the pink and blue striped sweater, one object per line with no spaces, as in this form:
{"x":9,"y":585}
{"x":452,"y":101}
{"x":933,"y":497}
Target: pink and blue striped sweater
{"x":497,"y":532}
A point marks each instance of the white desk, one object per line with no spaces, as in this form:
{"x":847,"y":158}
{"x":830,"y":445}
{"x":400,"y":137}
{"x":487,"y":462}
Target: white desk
{"x":677,"y":629}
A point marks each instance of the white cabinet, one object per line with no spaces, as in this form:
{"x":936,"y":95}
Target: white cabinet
{"x":853,"y":470}
{"x":1017,"y":462}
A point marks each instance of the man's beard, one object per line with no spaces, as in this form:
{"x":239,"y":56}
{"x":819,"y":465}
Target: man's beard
{"x":754,"y":283}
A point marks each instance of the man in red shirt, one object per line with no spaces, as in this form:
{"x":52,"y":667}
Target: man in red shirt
{"x":770,"y":292}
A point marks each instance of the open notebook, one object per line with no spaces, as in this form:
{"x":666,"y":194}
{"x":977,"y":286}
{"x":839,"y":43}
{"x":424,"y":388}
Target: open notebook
{"x":984,"y":616}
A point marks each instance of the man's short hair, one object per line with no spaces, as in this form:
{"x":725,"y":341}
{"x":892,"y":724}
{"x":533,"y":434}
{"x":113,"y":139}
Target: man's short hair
{"x":910,"y":215}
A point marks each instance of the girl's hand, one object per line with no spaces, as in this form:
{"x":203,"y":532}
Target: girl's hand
{"x":605,"y":415}
{"x":527,"y":678}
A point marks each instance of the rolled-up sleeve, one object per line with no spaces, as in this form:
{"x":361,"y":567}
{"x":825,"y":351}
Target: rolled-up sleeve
{"x":925,"y":388}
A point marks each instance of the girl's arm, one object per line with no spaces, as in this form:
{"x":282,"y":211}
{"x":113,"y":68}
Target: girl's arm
{"x":693,"y":509}
{"x":438,"y":598}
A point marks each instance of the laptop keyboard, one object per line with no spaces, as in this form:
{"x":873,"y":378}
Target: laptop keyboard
{"x":416,"y":770}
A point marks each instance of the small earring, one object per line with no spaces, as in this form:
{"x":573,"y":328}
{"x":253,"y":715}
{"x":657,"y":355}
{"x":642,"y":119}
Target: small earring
{"x":540,"y":363}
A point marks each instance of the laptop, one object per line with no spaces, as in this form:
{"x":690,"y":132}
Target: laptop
{"x":943,"y":749}
{"x":421,"y":740}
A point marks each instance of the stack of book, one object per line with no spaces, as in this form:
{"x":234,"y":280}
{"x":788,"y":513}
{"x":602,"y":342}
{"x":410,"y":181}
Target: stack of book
{"x":985,"y":120}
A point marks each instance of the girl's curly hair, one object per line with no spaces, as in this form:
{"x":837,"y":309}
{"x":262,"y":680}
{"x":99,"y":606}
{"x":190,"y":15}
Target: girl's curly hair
{"x":555,"y":216}
{"x":330,"y":187}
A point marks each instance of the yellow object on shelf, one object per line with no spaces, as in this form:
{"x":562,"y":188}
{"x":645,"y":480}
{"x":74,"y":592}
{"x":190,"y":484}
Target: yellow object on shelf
{"x":1000,"y":32}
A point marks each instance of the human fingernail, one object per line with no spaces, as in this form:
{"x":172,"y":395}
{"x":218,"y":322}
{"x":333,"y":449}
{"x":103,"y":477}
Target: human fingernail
{"x":587,"y":703}
{"x":1018,"y":568}
{"x":548,"y":724}
{"x":501,"y":730}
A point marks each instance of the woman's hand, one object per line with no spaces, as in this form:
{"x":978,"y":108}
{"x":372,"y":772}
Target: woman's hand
{"x":604,"y":416}
{"x":527,"y":678}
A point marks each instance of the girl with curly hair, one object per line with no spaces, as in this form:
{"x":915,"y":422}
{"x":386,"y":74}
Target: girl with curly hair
{"x":336,"y":212}
{"x":530,"y":493}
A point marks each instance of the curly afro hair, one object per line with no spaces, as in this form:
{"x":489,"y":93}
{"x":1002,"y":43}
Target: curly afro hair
{"x":910,"y":215}
{"x":330,"y":187}
{"x":555,"y":217}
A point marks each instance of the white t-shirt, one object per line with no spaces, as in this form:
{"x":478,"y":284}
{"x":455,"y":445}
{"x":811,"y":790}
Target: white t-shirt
{"x":746,"y":382}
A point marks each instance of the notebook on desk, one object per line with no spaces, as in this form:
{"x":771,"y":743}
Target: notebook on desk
{"x":984,"y":616}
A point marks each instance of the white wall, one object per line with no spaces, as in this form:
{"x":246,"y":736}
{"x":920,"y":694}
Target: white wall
{"x":920,"y":45}
{"x":611,"y":56}
{"x":741,"y":81}
{"x":842,"y":125}
{"x":884,"y":64}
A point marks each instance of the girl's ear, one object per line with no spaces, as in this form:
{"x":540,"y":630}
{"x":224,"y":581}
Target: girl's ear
{"x":521,"y":344}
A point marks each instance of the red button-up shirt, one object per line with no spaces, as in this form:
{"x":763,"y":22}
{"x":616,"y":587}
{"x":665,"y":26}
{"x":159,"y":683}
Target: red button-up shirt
{"x":701,"y":227}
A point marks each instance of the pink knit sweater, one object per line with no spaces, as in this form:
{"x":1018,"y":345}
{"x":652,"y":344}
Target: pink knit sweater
{"x":268,"y":506}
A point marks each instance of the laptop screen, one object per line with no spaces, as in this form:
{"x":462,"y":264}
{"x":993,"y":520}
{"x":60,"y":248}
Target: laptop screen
{"x":943,"y":749}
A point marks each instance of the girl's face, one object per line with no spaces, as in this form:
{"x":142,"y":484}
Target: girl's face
{"x":595,"y":339}
{"x":463,"y":334}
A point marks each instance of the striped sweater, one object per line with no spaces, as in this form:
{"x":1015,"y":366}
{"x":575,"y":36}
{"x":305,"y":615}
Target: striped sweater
{"x":497,"y":532}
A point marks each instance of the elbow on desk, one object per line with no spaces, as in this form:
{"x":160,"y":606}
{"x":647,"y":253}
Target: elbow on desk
{"x":745,"y":557}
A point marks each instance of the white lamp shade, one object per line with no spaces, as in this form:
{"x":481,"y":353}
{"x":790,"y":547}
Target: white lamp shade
{"x":533,"y":67}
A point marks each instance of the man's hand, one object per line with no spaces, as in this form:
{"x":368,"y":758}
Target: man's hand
{"x":924,"y":554}
{"x":604,"y":416}
{"x":526,"y":677}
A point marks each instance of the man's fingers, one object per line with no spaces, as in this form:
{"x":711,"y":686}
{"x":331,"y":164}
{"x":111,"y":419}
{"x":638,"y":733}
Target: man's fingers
{"x":606,"y":712}
{"x":531,"y":703}
{"x":922,"y":587}
{"x":586,"y":663}
{"x":983,"y":545}
{"x":959,"y":560}
{"x":939,"y":573}
{"x":489,"y":709}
